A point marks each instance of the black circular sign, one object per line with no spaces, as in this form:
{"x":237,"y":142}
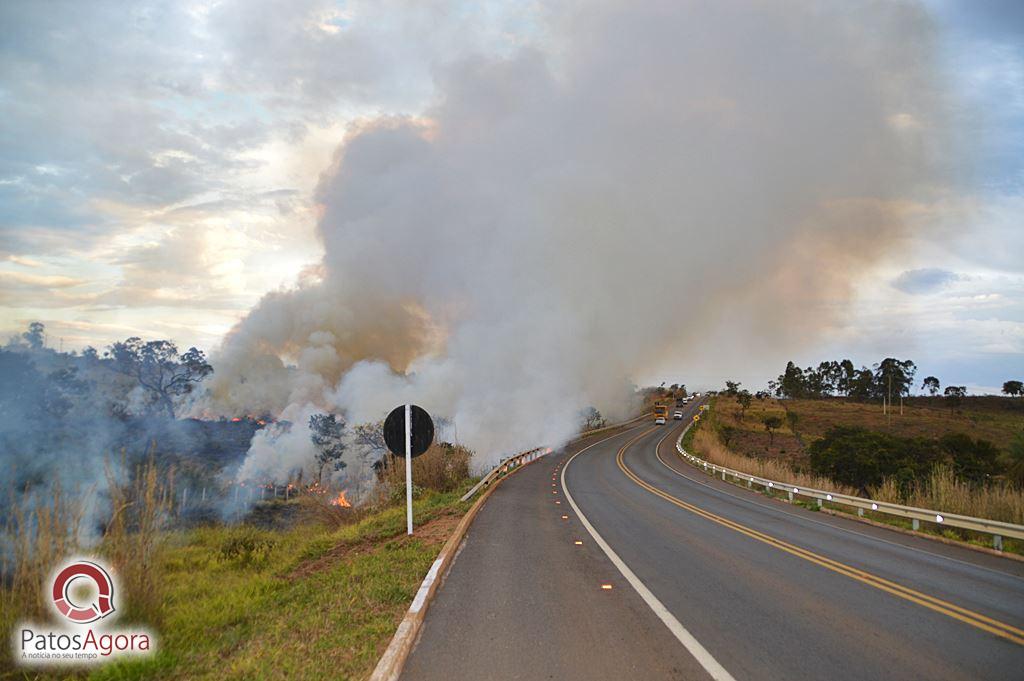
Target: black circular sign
{"x":422,"y":430}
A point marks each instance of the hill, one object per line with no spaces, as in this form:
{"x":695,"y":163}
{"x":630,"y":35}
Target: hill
{"x":996,"y":419}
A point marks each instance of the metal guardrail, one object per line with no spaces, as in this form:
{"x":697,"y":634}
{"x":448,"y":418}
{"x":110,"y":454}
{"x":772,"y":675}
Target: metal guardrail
{"x":996,"y":528}
{"x":511,"y":463}
{"x":507,"y":466}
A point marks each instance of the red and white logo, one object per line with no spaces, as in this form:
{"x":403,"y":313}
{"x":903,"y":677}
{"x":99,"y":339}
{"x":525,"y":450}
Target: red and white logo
{"x":83,"y":613}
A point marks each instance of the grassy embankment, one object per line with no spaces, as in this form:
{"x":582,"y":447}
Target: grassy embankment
{"x":318,"y":599}
{"x":783,"y":456}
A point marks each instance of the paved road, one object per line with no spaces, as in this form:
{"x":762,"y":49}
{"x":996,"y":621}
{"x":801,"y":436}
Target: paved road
{"x":743,"y":586}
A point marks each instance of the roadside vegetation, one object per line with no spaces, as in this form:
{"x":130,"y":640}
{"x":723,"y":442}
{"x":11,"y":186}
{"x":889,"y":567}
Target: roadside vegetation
{"x":834,"y":427}
{"x":303,"y":588}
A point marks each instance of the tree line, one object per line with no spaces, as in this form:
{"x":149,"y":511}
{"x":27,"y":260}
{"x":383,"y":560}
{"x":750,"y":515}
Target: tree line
{"x":891,"y":378}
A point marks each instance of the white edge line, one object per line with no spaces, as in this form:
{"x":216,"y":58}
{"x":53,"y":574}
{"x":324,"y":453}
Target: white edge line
{"x":699,"y":652}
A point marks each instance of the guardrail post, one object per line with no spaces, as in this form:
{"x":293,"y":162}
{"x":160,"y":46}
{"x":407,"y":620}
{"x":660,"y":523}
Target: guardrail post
{"x":723,"y":476}
{"x":819,"y":503}
{"x":749,"y":483}
{"x":915,"y":524}
{"x":997,"y":542}
{"x":860,"y":512}
{"x":791,"y":496}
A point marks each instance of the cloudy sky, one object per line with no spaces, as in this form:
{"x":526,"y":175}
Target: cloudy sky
{"x":159,"y":165}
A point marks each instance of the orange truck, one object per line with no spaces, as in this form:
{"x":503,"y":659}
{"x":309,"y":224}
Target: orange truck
{"x":660,"y":414}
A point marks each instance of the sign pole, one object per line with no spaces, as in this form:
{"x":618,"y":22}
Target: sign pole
{"x":408,"y":469}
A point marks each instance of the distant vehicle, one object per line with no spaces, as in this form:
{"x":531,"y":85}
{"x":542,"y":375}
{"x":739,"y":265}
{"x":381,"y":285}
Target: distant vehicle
{"x":660,"y":414}
{"x":696,"y":394}
{"x":678,"y":416}
{"x":680,"y":401}
{"x":660,"y":421}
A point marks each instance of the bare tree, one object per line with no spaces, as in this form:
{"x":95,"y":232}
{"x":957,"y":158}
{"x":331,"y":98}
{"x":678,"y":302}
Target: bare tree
{"x":159,"y":369}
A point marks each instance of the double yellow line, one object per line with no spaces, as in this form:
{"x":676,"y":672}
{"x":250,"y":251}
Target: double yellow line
{"x":970,"y":617}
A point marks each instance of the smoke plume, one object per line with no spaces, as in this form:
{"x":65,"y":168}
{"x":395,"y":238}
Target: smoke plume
{"x":645,"y":181}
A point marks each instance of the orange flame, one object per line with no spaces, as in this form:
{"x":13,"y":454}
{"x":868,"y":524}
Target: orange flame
{"x":341,"y":501}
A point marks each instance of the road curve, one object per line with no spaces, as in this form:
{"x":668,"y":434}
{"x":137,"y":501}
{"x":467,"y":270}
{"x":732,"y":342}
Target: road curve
{"x":765,"y":589}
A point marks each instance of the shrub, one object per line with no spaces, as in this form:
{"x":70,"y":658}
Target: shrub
{"x":247,"y":546}
{"x":863,"y":458}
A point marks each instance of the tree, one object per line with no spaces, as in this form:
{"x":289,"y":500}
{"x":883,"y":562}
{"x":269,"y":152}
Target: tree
{"x":771,"y":424}
{"x":732,"y":388}
{"x":1013,"y":388}
{"x":35,"y":336}
{"x":592,"y":418}
{"x":861,"y":384}
{"x":893,"y":377}
{"x":791,"y":382}
{"x":792,"y":418}
{"x":955,"y":395}
{"x":326,"y":432}
{"x":744,"y":398}
{"x":726,"y":433}
{"x":159,"y":369}
{"x":931,"y":384}
{"x":849,"y":372}
{"x":370,"y":436}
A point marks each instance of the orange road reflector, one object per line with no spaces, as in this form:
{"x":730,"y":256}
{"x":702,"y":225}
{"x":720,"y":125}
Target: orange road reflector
{"x":558,"y":502}
{"x":578,"y":543}
{"x":565,"y":517}
{"x":606,"y":587}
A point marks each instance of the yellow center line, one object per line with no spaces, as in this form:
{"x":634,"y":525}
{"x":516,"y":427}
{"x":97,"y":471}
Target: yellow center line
{"x":1001,"y":629}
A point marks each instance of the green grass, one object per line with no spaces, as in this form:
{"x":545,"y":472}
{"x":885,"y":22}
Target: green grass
{"x":311,"y":602}
{"x":261,"y":617}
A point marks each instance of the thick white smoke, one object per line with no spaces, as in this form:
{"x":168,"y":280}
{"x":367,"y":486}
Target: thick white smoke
{"x":646,"y":177}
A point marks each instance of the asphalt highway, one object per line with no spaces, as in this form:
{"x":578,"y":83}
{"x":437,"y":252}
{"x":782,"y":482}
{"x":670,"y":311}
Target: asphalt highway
{"x":615,"y":560}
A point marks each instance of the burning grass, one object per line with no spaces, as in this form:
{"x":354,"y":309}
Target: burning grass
{"x":319,"y":597}
{"x":309,"y":602}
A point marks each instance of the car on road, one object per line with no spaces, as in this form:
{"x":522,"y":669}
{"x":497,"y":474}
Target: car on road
{"x":660,"y":421}
{"x":678,"y":416}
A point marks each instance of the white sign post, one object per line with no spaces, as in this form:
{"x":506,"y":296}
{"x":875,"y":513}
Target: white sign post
{"x":401,"y":434}
{"x":408,"y":469}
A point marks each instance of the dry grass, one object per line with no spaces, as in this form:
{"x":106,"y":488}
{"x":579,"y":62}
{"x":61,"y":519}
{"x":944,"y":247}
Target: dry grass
{"x":442,"y":468}
{"x":943,"y":491}
{"x":940,"y":491}
{"x":41,"y":528}
{"x":996,"y":419}
{"x":45,"y":527}
{"x":707,"y":445}
{"x":141,"y":504}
